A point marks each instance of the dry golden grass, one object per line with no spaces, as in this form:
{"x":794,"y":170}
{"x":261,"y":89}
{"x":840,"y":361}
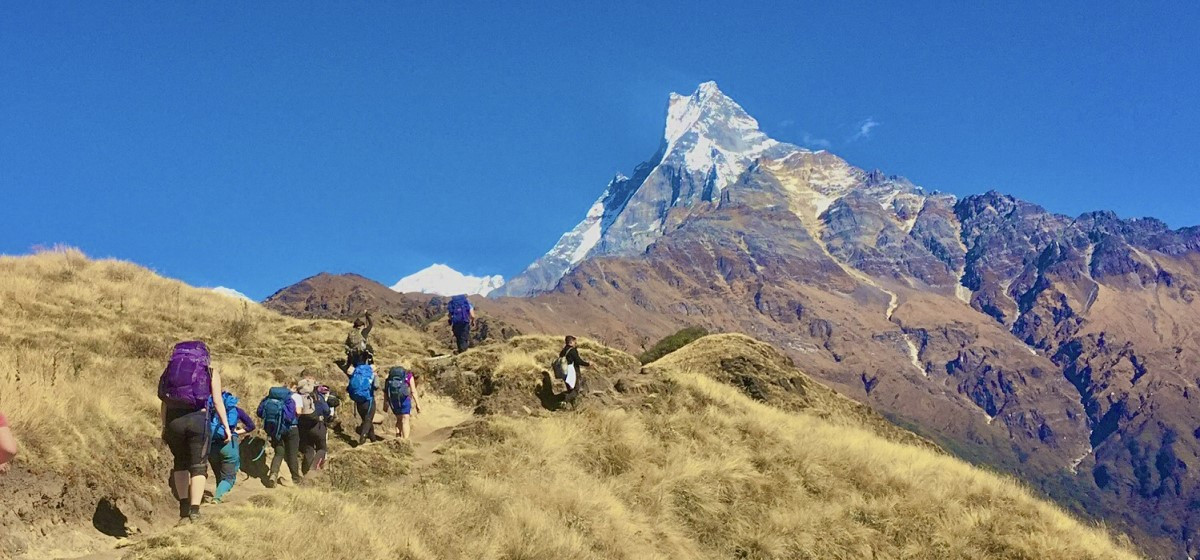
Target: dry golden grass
{"x":82,"y":343}
{"x":703,"y":472}
{"x":695,"y":470}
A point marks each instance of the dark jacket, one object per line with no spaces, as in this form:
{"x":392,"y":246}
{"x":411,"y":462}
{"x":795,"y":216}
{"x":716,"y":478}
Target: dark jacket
{"x":571,"y":353}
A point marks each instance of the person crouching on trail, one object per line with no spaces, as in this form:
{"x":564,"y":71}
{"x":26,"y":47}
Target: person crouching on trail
{"x":314,"y":409}
{"x":571,"y":364}
{"x":461,"y":314}
{"x":279,"y":417}
{"x":223,"y":455}
{"x":401,"y":397}
{"x":359,"y":370}
{"x":190,"y":392}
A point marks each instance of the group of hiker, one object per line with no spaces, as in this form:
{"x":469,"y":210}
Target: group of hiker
{"x":202,"y":423}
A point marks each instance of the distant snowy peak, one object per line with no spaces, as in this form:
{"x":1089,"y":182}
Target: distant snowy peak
{"x":445,"y":281}
{"x":231,"y":293}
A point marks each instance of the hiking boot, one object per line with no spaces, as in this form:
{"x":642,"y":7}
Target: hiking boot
{"x":185,"y":520}
{"x":269,"y":483}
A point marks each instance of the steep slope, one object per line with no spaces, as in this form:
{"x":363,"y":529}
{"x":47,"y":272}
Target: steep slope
{"x":690,"y":469}
{"x":82,"y":343}
{"x":1058,"y":349}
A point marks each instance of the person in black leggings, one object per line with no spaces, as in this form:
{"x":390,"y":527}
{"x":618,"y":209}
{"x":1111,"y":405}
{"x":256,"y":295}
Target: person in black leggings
{"x":313,"y":431}
{"x":360,"y":354}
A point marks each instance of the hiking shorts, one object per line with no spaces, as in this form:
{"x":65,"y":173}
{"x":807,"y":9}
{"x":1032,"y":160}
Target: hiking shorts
{"x":187,"y":436}
{"x":405,"y":407}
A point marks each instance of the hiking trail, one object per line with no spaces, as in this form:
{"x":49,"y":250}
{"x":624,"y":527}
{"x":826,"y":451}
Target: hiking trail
{"x":431,"y":428}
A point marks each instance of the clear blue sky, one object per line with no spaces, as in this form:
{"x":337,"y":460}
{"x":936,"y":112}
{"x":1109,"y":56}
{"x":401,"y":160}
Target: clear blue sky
{"x":251,"y":144}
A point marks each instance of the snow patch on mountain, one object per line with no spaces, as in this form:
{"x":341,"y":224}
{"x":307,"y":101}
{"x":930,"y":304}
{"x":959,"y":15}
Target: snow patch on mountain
{"x":442,"y":280}
{"x":231,"y":293}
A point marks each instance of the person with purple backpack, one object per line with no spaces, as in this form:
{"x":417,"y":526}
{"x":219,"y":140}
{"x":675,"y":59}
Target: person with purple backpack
{"x":461,"y":314}
{"x":190,"y":392}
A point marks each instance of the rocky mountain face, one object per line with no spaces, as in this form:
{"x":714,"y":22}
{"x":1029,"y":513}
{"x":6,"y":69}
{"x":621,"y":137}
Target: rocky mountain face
{"x":1060,"y":349}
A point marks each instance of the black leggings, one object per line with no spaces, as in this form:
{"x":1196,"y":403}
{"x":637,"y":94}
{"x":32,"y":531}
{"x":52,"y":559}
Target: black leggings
{"x":286,"y":447}
{"x":462,"y":336}
{"x":366,"y":411}
{"x":187,"y":435}
{"x":313,"y":447}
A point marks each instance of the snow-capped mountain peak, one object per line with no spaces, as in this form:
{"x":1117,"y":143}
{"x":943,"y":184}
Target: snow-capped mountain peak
{"x":442,"y":280}
{"x":708,"y":141}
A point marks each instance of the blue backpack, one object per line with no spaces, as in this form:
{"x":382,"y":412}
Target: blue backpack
{"x":362,"y":384}
{"x":459,"y":309}
{"x":278,"y":412}
{"x":214,"y":425}
{"x":397,"y":387}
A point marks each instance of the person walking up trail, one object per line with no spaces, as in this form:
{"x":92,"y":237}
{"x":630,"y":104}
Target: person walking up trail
{"x":190,"y":392}
{"x":314,"y":409}
{"x":571,"y":364}
{"x":8,"y":444}
{"x":224,"y":455}
{"x":278,"y":413}
{"x":361,"y":374}
{"x":402,"y":399}
{"x":462,"y":314}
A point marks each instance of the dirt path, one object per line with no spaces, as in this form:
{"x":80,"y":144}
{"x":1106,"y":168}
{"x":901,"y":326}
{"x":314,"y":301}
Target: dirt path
{"x":437,"y":421}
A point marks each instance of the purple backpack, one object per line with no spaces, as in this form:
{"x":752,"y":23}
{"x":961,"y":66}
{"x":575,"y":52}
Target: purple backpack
{"x":187,"y":381}
{"x":460,"y":310}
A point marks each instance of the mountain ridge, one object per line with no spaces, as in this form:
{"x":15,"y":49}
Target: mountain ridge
{"x":1053,"y":347}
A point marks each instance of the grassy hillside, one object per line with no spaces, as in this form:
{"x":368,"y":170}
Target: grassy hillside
{"x":698,"y":471}
{"x":674,"y":460}
{"x":82,"y":343}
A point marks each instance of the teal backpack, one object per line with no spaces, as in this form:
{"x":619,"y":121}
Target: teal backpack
{"x":214,"y":425}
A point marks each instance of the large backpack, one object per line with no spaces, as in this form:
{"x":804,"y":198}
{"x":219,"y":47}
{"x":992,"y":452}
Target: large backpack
{"x":358,"y":351}
{"x":459,"y":309}
{"x":560,"y":367}
{"x":277,"y":412}
{"x":361,"y":388}
{"x":397,"y":387}
{"x":187,"y":380}
{"x":214,"y":425}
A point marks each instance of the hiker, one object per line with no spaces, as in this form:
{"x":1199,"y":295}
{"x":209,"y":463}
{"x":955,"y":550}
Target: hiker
{"x":314,"y":410}
{"x":224,"y":456}
{"x":361,"y":374}
{"x":571,"y":362}
{"x":8,"y":444}
{"x":279,"y":415}
{"x":401,"y":397}
{"x":461,"y":314}
{"x":188,"y":389}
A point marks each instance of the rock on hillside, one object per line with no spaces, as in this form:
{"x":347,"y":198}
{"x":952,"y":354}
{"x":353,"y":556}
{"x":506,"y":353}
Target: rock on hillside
{"x":514,"y":377}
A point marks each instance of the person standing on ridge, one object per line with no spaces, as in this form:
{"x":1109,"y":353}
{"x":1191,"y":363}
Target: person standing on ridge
{"x":190,"y":391}
{"x":8,"y":444}
{"x":224,"y":456}
{"x":359,"y":359}
{"x":461,"y":315}
{"x":401,"y":398}
{"x":571,"y":364}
